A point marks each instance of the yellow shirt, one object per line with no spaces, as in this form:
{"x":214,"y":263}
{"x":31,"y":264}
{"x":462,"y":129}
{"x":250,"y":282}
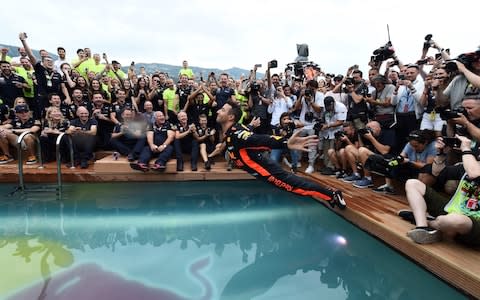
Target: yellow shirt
{"x":187,"y":71}
{"x":27,"y":75}
{"x":169,"y":97}
{"x":97,"y":68}
{"x":81,"y":67}
{"x":120,"y":74}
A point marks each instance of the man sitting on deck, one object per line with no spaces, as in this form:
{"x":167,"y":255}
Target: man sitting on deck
{"x":458,"y":217}
{"x":245,"y":149}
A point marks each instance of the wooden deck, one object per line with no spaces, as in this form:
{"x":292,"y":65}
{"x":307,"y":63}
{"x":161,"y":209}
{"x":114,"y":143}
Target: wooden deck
{"x":374,"y":213}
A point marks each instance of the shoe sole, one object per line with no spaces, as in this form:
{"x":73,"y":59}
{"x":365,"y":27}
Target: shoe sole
{"x":362,"y":186}
{"x":31,"y":162}
{"x":424,"y":237}
{"x":138,"y":168}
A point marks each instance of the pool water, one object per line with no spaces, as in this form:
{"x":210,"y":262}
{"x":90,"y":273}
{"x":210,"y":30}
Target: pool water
{"x":195,"y":240}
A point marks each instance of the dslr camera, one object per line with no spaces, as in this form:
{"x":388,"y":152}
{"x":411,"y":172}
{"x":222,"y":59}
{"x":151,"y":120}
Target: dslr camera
{"x":339,"y":134}
{"x":447,"y":114}
{"x":272,"y":64}
{"x":465,"y":58}
{"x":383,"y":53}
{"x":364,"y":131}
{"x":451,"y":141}
{"x":255,"y":87}
{"x":308,"y":93}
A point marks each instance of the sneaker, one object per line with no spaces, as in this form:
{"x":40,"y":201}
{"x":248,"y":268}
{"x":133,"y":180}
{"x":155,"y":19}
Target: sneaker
{"x":286,"y":162}
{"x":309,"y":170}
{"x":139,"y":167}
{"x":425,"y":235}
{"x":407,"y":215}
{"x":131,"y":157}
{"x":31,"y":160}
{"x":299,"y":165}
{"x":385,"y":189}
{"x":337,"y":199}
{"x":340,"y":174}
{"x":363,"y":183}
{"x":208,"y":165}
{"x":351,"y":178}
{"x":229,"y":165}
{"x":158,"y":167}
{"x":327,"y":171}
{"x":84,"y":164}
{"x":4,"y":159}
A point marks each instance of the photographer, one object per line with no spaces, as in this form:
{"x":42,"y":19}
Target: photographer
{"x":406,"y":97}
{"x":343,"y":138}
{"x":468,"y":66}
{"x":334,"y":115}
{"x":467,"y":121}
{"x":414,"y":159}
{"x":381,"y":102}
{"x":372,"y":140}
{"x":258,"y":103}
{"x":310,"y":106}
{"x":285,"y":129}
{"x":279,"y":105}
{"x":434,"y":84}
{"x":457,"y":217}
{"x":357,"y":91}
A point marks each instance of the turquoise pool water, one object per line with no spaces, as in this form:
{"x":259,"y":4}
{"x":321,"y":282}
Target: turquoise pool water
{"x":195,"y":240}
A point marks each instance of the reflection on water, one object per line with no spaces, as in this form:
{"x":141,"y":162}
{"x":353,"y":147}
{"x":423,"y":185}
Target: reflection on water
{"x":196,"y":240}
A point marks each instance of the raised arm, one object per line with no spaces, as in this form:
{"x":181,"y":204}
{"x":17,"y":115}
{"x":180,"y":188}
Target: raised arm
{"x":23,"y":38}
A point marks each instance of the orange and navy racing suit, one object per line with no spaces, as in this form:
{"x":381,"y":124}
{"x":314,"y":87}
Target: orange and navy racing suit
{"x":246,"y":148}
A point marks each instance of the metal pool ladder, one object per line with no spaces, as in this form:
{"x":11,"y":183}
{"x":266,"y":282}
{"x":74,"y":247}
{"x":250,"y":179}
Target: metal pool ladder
{"x":58,"y":187}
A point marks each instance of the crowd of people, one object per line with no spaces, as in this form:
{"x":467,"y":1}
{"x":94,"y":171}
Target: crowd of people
{"x":418,"y":120}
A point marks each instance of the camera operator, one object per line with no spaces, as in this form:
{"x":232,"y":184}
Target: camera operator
{"x":357,"y":90}
{"x":468,"y":66}
{"x":407,"y":99}
{"x":258,"y":103}
{"x":285,"y":128}
{"x":413,"y":160}
{"x":343,"y":138}
{"x":280,"y":104}
{"x":468,"y":120}
{"x":457,"y":217}
{"x":434,"y":83}
{"x":334,"y":116}
{"x":372,"y":139}
{"x":381,"y":102}
{"x":310,"y":106}
{"x":337,"y":92}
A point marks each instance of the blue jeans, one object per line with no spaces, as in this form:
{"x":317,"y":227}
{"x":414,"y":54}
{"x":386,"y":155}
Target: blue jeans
{"x":276,"y":154}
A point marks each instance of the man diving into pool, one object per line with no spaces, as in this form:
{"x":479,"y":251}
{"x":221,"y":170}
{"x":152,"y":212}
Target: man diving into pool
{"x":246,"y":148}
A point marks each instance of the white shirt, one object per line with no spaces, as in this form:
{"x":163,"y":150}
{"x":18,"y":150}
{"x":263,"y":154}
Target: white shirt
{"x":278,"y":107}
{"x":339,"y":114}
{"x":308,"y":108}
{"x":57,"y":64}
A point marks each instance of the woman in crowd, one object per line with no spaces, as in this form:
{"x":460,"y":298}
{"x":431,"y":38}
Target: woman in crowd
{"x":53,"y":125}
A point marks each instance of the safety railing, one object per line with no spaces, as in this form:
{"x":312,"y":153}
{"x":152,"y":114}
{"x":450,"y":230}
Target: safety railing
{"x":20,"y":139}
{"x":59,"y":158}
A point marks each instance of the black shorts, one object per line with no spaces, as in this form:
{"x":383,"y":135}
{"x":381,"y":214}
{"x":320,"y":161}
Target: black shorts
{"x":435,"y":206}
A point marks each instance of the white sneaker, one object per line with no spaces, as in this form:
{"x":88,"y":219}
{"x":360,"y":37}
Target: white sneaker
{"x":309,"y":170}
{"x":299,"y":165}
{"x":287,"y":163}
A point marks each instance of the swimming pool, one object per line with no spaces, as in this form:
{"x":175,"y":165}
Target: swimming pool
{"x":195,"y":240}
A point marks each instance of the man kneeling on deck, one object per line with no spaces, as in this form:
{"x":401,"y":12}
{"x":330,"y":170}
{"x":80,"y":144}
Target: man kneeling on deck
{"x":246,"y":149}
{"x":458,"y":217}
